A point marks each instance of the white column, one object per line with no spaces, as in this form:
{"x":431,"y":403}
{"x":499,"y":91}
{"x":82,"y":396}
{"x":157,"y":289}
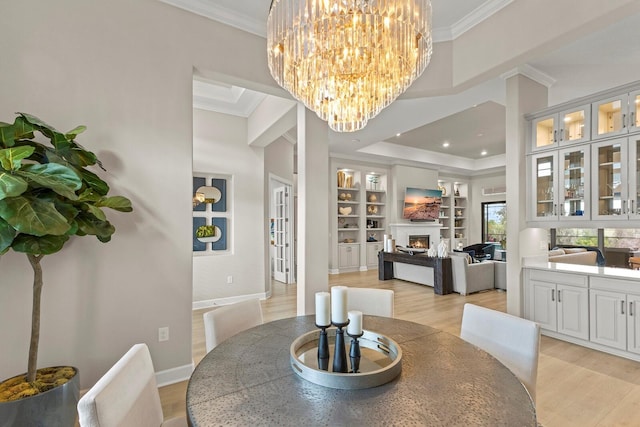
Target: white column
{"x":523,"y":96}
{"x":313,"y":213}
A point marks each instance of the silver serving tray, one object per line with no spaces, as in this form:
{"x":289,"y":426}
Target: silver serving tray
{"x":380,"y":362}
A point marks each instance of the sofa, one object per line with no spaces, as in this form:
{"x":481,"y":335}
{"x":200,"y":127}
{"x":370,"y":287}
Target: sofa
{"x":469,"y":276}
{"x":581,"y":256}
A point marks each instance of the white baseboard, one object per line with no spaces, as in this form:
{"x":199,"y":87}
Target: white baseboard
{"x":174,"y":375}
{"x":197,"y":305}
{"x":334,"y":271}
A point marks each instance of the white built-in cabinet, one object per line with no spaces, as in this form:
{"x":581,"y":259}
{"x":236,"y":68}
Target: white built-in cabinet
{"x":454,"y":212}
{"x":349,"y":256}
{"x":557,"y":129}
{"x":559,"y":302}
{"x":595,"y":307}
{"x":616,"y":115}
{"x":614,"y":314}
{"x":560,"y":181}
{"x":616,"y":178}
{"x":360,"y":219}
{"x":584,"y":162}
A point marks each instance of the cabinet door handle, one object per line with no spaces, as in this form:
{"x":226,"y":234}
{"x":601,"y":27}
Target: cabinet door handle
{"x":624,"y":206}
{"x":624,"y":121}
{"x":555,"y":136}
{"x":555,"y":209}
{"x":631,"y":210}
{"x":621,"y":307}
{"x":559,"y":296}
{"x":561,"y":135}
{"x":630,"y":308}
{"x":553,"y":294}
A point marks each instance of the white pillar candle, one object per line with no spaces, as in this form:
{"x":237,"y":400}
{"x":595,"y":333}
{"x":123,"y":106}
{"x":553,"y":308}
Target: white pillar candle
{"x":323,"y":309}
{"x":339,"y":304}
{"x":355,"y":323}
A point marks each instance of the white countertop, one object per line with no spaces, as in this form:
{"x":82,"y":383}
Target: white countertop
{"x":620,"y":273}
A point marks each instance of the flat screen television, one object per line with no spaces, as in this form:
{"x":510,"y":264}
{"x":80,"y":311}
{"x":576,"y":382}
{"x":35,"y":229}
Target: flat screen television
{"x":421,"y":204}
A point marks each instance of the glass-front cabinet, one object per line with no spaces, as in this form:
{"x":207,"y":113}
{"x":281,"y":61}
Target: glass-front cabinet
{"x":561,"y":185}
{"x":617,"y":115}
{"x":544,"y":171}
{"x":574,"y":195}
{"x":617,"y":179}
{"x":567,"y":127}
{"x":634,"y":106}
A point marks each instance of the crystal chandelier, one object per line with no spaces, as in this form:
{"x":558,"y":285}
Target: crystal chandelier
{"x":348,"y":59}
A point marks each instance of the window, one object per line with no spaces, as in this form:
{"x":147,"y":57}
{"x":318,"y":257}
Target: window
{"x":577,"y":236}
{"x":494,"y":221}
{"x":622,"y":238}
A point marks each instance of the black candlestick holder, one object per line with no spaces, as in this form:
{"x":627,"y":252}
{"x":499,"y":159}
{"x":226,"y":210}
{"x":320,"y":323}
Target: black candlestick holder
{"x":354,"y":353}
{"x":340,"y":352}
{"x":323,"y":348}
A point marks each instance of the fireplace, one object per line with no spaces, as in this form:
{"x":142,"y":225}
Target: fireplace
{"x":420,"y":241}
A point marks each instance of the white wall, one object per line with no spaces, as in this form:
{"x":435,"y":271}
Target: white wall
{"x":408,"y":176}
{"x":220,"y":147}
{"x":278,"y":162}
{"x":123,"y":68}
{"x":476,"y":184}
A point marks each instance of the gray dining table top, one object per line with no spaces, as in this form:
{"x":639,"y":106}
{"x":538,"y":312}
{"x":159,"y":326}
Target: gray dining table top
{"x":248,"y":381}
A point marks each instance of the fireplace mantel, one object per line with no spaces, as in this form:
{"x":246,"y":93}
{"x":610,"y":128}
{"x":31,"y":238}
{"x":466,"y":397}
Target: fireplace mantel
{"x":401,"y":232}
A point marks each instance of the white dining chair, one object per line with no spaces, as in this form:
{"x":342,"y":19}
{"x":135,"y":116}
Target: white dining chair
{"x":376,"y":302}
{"x":228,"y":320}
{"x":126,"y":396}
{"x":514,"y":341}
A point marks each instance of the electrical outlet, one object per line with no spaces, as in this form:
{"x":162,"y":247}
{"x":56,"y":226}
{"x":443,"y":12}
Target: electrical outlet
{"x":229,"y":279}
{"x":163,"y":334}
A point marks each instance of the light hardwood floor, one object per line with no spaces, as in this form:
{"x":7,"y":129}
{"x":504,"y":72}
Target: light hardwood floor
{"x":576,"y":386}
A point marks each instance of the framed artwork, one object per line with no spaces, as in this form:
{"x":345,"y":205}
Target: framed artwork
{"x":198,"y":182}
{"x":220,"y":244}
{"x":198,"y":246}
{"x":221,"y":185}
{"x":210,"y":214}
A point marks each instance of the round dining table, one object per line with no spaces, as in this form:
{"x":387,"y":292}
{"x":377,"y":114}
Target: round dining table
{"x":248,"y":380}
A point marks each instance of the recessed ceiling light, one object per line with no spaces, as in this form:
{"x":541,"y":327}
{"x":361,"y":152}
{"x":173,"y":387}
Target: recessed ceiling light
{"x":398,"y":134}
{"x":483,"y":152}
{"x":445,"y":144}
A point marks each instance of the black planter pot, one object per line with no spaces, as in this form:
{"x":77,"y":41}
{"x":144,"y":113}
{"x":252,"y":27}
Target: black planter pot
{"x":53,"y":408}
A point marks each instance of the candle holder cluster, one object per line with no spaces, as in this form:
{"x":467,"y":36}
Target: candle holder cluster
{"x":340,"y":351}
{"x":379,"y":363}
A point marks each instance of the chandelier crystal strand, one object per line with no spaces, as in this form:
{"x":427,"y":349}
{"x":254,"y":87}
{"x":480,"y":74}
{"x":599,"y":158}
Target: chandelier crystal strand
{"x":348,"y":59}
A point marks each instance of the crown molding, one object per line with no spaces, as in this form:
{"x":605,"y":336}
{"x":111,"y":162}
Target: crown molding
{"x":258,"y":27}
{"x":477,"y":16}
{"x":221,"y":14}
{"x":532,"y":73}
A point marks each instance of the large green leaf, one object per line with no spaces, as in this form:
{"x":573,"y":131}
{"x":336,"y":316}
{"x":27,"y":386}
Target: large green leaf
{"x":7,"y":233}
{"x":118,"y":203}
{"x":33,"y":216}
{"x":20,"y":129}
{"x":11,"y":158}
{"x":58,"y":178}
{"x":58,"y":139}
{"x":96,"y":211}
{"x":89,"y":195}
{"x":94,"y":182}
{"x":44,"y":245}
{"x":75,"y":132}
{"x":11,"y":185}
{"x":89,"y":224}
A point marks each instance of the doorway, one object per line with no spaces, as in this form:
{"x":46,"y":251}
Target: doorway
{"x":282,"y":231}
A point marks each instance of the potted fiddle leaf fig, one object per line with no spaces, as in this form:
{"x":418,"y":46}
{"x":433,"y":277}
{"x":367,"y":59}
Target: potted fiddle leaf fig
{"x":47,"y":195}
